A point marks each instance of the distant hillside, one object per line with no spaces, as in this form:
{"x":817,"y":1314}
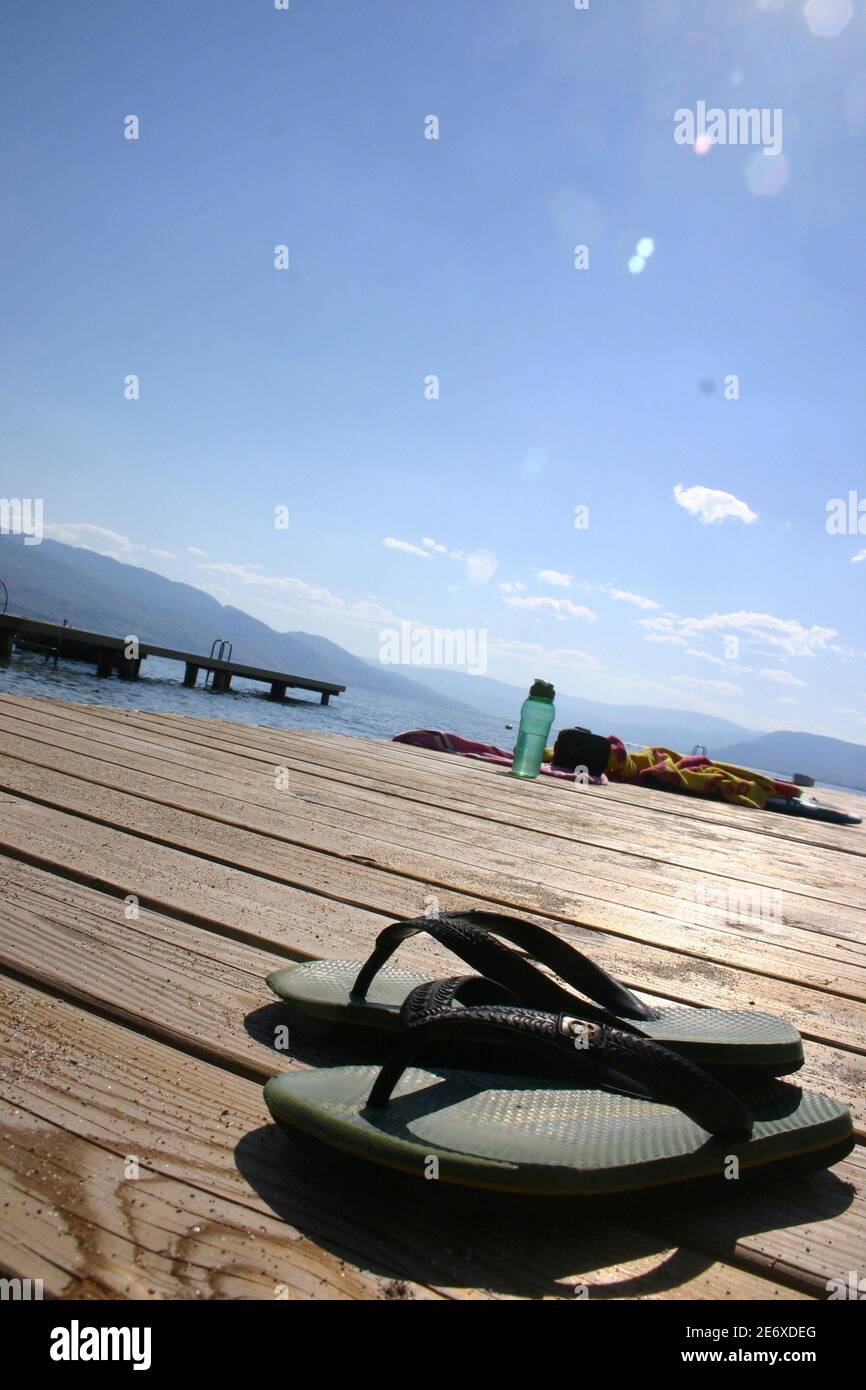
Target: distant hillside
{"x":53,"y":581}
{"x":784,"y":753}
{"x":643,"y":724}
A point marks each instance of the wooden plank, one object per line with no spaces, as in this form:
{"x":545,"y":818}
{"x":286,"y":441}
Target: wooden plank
{"x":80,"y":1097}
{"x":226,"y":1206}
{"x":584,"y":817}
{"x":624,"y":878}
{"x":289,"y":922}
{"x":626,"y":802}
{"x":484,"y":790}
{"x":826,"y":1017}
{"x":232,"y":881}
{"x":189,"y":987}
{"x":143,"y":749}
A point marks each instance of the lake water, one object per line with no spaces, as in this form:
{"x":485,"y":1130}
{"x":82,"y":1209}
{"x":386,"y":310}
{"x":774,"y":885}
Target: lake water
{"x":159,"y":688}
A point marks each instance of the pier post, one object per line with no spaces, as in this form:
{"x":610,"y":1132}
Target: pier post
{"x":222,"y":680}
{"x":326,"y":695}
{"x":128,"y":667}
{"x":278,"y":690}
{"x":7,"y":642}
{"x":190,"y":675}
{"x":104,"y":661}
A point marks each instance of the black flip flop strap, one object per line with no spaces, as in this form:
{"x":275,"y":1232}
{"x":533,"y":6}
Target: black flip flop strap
{"x":465,"y":990}
{"x":472,"y":936}
{"x":564,"y":960}
{"x":665,"y":1075}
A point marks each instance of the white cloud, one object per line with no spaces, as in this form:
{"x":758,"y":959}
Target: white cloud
{"x":557,"y":607}
{"x":509,"y":587}
{"x":714,"y":687}
{"x":194,"y":550}
{"x":860,"y":556}
{"x":644,"y":683}
{"x":638,"y":599}
{"x":621,"y":595}
{"x":297,"y":595}
{"x":406,"y":546}
{"x":556,"y":578}
{"x":780,"y":677}
{"x":786,"y":634}
{"x":557,"y":656}
{"x":85,"y":536}
{"x":670,"y":638}
{"x":708,"y":504}
{"x":481,"y":566}
{"x":726,"y":664}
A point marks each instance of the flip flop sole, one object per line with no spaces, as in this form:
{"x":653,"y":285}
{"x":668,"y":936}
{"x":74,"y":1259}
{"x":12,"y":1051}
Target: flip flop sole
{"x":506,"y":1134}
{"x":708,"y":1037}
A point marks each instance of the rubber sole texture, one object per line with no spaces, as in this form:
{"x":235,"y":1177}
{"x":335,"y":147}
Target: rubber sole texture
{"x":522,"y":1135}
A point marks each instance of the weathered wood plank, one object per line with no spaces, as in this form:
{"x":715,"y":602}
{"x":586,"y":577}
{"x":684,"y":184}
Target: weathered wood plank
{"x":481,"y":790}
{"x":224,"y":900}
{"x":819,"y":1014}
{"x":80,"y":1098}
{"x":232,"y":880}
{"x":581,"y":816}
{"x":625,"y":802}
{"x":791,"y":924}
{"x":226,"y":1206}
{"x":696,"y":926}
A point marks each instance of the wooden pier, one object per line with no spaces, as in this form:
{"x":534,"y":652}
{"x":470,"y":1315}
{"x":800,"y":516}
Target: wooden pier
{"x":125,"y":655}
{"x":152,"y":876}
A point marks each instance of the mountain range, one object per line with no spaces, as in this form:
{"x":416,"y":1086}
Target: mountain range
{"x":53,"y":581}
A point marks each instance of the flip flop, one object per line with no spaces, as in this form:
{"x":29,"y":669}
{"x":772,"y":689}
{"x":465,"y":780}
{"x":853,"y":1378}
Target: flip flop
{"x":812,"y":809}
{"x":628,"y":1115}
{"x":372,"y":993}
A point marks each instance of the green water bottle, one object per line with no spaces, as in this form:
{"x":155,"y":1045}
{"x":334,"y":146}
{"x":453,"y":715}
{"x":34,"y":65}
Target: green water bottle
{"x":536,"y":718}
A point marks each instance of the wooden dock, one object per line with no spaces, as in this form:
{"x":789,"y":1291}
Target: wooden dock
{"x":125,"y":655}
{"x":152,"y":875}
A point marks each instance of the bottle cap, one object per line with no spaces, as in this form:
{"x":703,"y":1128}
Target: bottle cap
{"x":541,"y":690}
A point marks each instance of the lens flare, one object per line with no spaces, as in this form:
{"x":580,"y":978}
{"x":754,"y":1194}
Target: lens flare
{"x":827,"y":18}
{"x":766,"y":175}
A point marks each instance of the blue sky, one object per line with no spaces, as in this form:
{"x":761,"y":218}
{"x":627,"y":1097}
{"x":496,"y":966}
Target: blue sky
{"x":558,"y":387}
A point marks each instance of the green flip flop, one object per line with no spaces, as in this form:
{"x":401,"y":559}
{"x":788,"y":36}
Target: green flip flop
{"x":621,"y":1113}
{"x":372,"y":993}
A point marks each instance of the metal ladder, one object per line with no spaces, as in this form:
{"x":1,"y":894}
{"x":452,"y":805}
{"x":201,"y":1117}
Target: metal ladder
{"x":220,"y":650}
